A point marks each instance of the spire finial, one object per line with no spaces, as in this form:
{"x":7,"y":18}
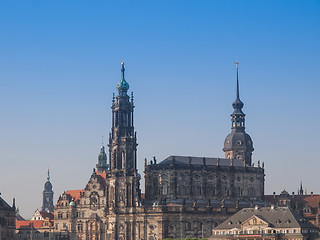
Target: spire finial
{"x":122,"y":71}
{"x":237,"y":67}
{"x":102,"y":141}
{"x":122,"y":86}
{"x":48,"y":178}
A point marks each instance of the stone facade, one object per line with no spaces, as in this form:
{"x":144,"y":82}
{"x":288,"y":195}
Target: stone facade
{"x":267,"y":223}
{"x":185,"y":196}
{"x":305,"y":205}
{"x":208,"y":179}
{"x":7,"y":220}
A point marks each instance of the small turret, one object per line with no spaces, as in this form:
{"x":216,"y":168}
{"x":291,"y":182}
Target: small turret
{"x":102,"y":161}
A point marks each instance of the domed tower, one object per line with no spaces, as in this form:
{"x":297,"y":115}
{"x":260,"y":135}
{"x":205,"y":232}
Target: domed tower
{"x":47,"y":204}
{"x":238,"y":144}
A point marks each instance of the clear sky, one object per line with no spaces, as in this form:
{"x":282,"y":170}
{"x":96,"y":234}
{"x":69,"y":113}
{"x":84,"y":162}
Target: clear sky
{"x":60,"y":63}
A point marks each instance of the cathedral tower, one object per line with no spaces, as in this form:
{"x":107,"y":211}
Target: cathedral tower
{"x":238,"y":144}
{"x":47,"y":204}
{"x":123,"y":177}
{"x":122,"y":141}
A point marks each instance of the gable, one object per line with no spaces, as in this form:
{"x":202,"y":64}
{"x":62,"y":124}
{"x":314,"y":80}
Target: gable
{"x":255,"y":220}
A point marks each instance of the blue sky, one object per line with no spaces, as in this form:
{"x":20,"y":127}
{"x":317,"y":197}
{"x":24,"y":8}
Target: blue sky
{"x":60,"y":63}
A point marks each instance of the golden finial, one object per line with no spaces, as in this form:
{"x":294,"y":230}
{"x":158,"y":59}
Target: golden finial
{"x":237,"y":64}
{"x":122,"y":63}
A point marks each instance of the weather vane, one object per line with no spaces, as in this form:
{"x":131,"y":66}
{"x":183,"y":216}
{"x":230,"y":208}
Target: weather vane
{"x":237,"y":64}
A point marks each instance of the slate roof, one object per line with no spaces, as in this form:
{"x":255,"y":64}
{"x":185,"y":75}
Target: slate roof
{"x":280,"y":217}
{"x":184,"y":160}
{"x":4,"y":205}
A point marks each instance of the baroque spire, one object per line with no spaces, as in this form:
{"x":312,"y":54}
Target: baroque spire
{"x":122,"y":86}
{"x":238,"y":144}
{"x":238,"y":117}
{"x":237,"y":104}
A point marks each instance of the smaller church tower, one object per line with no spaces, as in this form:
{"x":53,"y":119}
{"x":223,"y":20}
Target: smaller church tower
{"x":238,"y":144}
{"x":102,"y":161}
{"x":47,"y":204}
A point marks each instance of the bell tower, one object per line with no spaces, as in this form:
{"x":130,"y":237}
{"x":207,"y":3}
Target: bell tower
{"x":123,"y":181}
{"x":238,"y":144}
{"x":122,"y":139}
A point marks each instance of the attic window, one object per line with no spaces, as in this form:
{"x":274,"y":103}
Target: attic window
{"x":230,"y":223}
{"x":278,"y":221}
{"x":238,"y":222}
{"x":288,"y":221}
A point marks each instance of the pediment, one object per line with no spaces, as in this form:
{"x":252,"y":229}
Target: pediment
{"x":255,"y":220}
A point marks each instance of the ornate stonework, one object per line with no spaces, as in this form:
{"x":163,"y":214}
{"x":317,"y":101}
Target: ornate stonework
{"x":185,"y":196}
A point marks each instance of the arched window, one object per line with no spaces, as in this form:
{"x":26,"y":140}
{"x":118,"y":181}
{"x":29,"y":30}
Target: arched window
{"x":188,"y":226}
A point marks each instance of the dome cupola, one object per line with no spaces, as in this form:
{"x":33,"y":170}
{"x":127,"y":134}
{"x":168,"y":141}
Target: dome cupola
{"x":122,"y":86}
{"x":238,"y":144}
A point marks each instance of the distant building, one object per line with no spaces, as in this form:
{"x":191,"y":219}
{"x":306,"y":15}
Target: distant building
{"x":7,"y":220}
{"x":47,"y":196}
{"x":185,"y":196}
{"x":41,"y":225}
{"x":267,"y":223}
{"x":307,"y":206}
{"x":35,"y":229}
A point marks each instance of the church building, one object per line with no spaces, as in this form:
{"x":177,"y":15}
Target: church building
{"x":185,"y":196}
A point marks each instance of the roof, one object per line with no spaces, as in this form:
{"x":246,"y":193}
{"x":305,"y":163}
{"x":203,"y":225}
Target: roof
{"x":75,"y":194}
{"x":186,"y":160}
{"x":312,"y":200}
{"x":26,"y":223}
{"x":46,"y":214}
{"x":4,"y":205}
{"x":103,"y":174}
{"x":280,"y":217}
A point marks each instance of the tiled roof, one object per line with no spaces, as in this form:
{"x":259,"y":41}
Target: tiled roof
{"x":313,"y":201}
{"x":4,"y":205}
{"x":75,"y":194}
{"x":26,"y":223}
{"x":277,"y":217}
{"x":103,"y":174}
